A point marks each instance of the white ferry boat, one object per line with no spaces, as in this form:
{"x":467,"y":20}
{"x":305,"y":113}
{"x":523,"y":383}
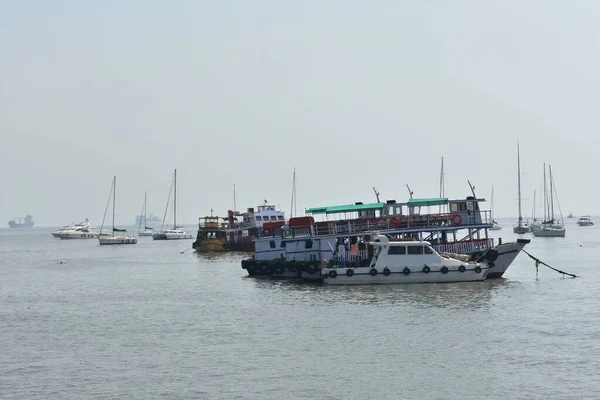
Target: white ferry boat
{"x":458,"y":227}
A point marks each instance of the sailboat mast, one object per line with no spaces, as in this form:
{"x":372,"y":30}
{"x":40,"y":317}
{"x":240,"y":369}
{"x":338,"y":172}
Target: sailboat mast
{"x":175,"y":200}
{"x":533,"y":210}
{"x":551,"y":194}
{"x":442,"y":188}
{"x":519,"y":182}
{"x":492,"y":204}
{"x":545,"y":197}
{"x":114,"y":196}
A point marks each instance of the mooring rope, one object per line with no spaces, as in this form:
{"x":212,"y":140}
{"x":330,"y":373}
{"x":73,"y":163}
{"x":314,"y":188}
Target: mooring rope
{"x":538,"y":262}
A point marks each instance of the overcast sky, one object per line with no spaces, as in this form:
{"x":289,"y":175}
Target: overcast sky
{"x":354,"y":94}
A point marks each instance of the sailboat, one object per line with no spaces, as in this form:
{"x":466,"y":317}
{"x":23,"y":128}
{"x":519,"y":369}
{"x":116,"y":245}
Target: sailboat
{"x":495,"y":226}
{"x":147,"y":231}
{"x":552,"y":226}
{"x":522,"y":226}
{"x":111,"y":238}
{"x":176,"y":232}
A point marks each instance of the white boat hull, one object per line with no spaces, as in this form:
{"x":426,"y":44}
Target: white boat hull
{"x":146,"y":233}
{"x":507,"y":252}
{"x":550,"y":232}
{"x":397,"y":275}
{"x":585,"y":223}
{"x":75,"y":235}
{"x":117,"y":240}
{"x":520,"y":230}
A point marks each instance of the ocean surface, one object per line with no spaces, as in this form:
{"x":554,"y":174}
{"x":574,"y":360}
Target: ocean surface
{"x":84,"y":321}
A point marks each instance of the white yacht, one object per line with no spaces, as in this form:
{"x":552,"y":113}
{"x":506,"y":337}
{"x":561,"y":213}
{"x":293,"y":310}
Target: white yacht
{"x":81,"y":230}
{"x":552,"y":225}
{"x":585,"y":220}
{"x":401,"y":261}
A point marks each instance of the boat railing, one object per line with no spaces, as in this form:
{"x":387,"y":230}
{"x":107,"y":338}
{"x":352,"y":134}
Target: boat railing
{"x":465,"y":247}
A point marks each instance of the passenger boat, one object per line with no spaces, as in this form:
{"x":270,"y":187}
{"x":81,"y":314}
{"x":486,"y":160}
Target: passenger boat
{"x":299,"y":248}
{"x":396,"y":261}
{"x":211,"y":235}
{"x":243,"y":228}
{"x":585,"y":220}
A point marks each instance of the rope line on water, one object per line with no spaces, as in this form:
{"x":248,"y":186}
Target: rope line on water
{"x":538,"y":262}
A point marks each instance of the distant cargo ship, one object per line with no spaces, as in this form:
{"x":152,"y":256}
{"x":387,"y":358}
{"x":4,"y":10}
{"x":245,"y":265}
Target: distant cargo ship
{"x":150,"y":219}
{"x":26,"y":222}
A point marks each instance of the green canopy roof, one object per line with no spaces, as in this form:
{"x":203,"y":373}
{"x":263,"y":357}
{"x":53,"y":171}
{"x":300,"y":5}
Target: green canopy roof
{"x":427,"y":202}
{"x":345,"y":208}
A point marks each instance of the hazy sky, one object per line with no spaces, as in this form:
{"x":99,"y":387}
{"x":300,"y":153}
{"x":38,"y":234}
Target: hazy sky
{"x":354,"y":94}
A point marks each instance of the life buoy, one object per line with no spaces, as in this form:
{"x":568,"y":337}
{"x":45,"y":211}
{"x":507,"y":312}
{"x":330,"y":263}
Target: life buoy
{"x":406,"y":271}
{"x":456,"y":219}
{"x":266,"y":232}
{"x":349,"y":272}
{"x":394,"y":223}
{"x":444,"y":270}
{"x":332,"y":273}
{"x":426,"y":269}
{"x":386,"y":271}
{"x":462,"y":268}
{"x":478,"y":269}
{"x":373,"y":272}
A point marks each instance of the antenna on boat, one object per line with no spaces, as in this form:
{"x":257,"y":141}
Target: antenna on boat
{"x":442,"y":185}
{"x":234,"y":201}
{"x":472,"y":189}
{"x":293,"y":205}
{"x":410,"y":192}
{"x":376,"y":194}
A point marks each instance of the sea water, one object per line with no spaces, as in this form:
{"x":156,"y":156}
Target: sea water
{"x":79,"y":320}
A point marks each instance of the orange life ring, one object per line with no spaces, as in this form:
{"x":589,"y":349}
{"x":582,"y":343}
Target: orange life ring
{"x":266,"y":231}
{"x":394,"y":222}
{"x":456,"y":219}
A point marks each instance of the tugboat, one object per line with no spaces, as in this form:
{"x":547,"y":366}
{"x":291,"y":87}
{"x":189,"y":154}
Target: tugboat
{"x":26,"y":222}
{"x":211,"y":237}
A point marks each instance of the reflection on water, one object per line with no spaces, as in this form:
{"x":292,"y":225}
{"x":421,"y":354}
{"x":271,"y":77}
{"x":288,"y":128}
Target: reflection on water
{"x":463,"y":295}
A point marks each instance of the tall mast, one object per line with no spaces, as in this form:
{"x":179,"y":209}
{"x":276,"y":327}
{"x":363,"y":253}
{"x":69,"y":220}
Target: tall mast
{"x":533,"y":210}
{"x":545,"y":197}
{"x":114,"y":196}
{"x":492,"y":204}
{"x":551,"y":194}
{"x":175,"y":200}
{"x":519,"y":182}
{"x":442,"y":188}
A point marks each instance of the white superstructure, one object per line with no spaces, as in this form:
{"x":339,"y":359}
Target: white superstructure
{"x":396,"y":262}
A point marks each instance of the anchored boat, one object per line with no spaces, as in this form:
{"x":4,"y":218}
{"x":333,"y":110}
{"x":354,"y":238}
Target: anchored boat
{"x":398,"y":261}
{"x":460,"y":227}
{"x":211,"y":235}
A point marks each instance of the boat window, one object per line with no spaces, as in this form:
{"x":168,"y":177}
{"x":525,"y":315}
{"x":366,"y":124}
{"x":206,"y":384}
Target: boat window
{"x":397,"y":250}
{"x":283,"y":244}
{"x":415,"y":250}
{"x":308,"y":244}
{"x":428,"y":250}
{"x":280,"y":217}
{"x":258,"y":218}
{"x":453,"y":207}
{"x":272,"y":244}
{"x":463,"y":206}
{"x":273,"y":218}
